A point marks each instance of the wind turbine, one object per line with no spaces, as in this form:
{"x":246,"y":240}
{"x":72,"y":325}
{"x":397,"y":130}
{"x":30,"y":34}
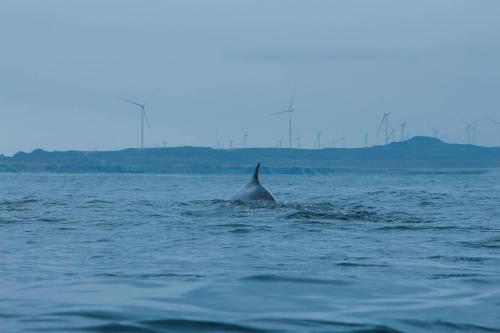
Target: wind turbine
{"x":297,"y":139}
{"x":494,"y":121}
{"x":468,"y":132}
{"x":341,"y":139}
{"x":393,"y":135}
{"x":385,"y":121}
{"x":144,"y":115}
{"x":366,"y":140}
{"x":244,"y":141}
{"x":290,"y":110}
{"x":402,"y":136}
{"x":318,"y":139}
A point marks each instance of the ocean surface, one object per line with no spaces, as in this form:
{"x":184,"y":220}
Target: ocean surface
{"x":347,"y":252}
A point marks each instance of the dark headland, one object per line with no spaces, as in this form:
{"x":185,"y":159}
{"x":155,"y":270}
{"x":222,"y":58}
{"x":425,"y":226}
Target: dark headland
{"x":418,"y":153}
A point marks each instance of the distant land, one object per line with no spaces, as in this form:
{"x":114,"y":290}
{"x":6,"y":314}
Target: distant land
{"x":418,"y":153}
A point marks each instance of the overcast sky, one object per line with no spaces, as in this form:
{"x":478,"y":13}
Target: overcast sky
{"x":221,"y":67}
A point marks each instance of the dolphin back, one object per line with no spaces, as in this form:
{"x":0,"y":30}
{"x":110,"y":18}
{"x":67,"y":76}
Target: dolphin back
{"x":254,"y":190}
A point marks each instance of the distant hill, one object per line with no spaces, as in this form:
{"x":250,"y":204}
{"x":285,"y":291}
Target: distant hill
{"x":417,"y":153}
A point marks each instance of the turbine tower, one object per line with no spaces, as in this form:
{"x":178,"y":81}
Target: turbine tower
{"x":468,"y":132}
{"x":318,"y":139}
{"x":402,"y":136}
{"x":385,"y":122}
{"x":244,"y":141}
{"x":144,"y":115}
{"x":290,"y":110}
{"x":297,"y":139}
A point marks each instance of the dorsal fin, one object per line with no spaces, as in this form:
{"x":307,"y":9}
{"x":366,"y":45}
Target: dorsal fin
{"x":256,"y":172}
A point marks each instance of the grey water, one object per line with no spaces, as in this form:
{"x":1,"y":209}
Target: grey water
{"x":352,"y":252}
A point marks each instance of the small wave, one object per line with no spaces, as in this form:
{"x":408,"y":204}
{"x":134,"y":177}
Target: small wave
{"x":490,"y":243}
{"x":93,"y":314}
{"x":353,"y":264}
{"x":232,"y":225}
{"x":460,"y":258}
{"x":18,"y":205}
{"x":117,"y":328}
{"x":449,"y":172}
{"x":446,"y":325}
{"x":4,"y":220}
{"x":454,"y":275}
{"x":99,"y":202}
{"x":206,"y":208}
{"x":328,"y":325}
{"x":286,"y":279}
{"x":66,"y":229}
{"x":96,"y":203}
{"x":339,"y":216}
{"x":8,"y":315}
{"x":149,"y":275}
{"x":187,"y":325}
{"x":240,"y":231}
{"x":173,"y":325}
{"x":203,"y":202}
{"x":414,"y":227}
{"x":51,"y":219}
{"x":329,"y":212}
{"x":476,"y":280}
{"x":396,"y":227}
{"x":469,"y":259}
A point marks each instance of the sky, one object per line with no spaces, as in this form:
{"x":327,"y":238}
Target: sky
{"x":217,"y":69}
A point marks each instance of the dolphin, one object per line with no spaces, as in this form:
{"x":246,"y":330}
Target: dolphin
{"x":254,"y":190}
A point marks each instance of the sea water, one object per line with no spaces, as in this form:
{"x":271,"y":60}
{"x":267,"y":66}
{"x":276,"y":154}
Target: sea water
{"x":346,"y":252}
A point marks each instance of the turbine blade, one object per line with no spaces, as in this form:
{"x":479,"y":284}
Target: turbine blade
{"x":147,"y":123}
{"x":494,"y":121}
{"x":129,"y":101}
{"x":381,"y":124}
{"x":151,"y":97}
{"x":290,"y":108}
{"x":279,"y":112}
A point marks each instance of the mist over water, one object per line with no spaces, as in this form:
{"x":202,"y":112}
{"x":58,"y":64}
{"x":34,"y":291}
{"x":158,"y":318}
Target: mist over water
{"x":381,"y":252}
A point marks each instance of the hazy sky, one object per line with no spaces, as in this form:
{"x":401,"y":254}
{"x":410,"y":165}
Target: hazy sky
{"x":222,"y":66}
